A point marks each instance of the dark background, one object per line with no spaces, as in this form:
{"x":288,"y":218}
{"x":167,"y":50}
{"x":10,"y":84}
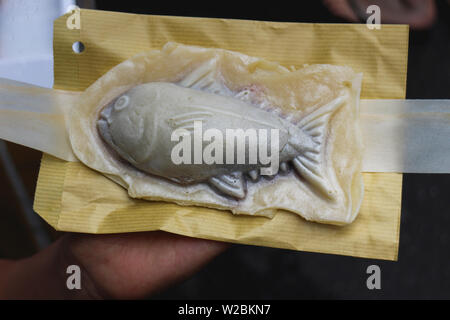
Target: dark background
{"x":423,"y":266}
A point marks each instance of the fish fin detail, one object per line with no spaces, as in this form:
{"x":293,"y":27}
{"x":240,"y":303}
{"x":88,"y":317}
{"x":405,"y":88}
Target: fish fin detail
{"x":204,"y":78}
{"x":315,"y":124}
{"x":186,"y":120}
{"x":233,"y":184}
{"x":314,"y":177}
{"x":311,"y":163}
{"x":254,"y":174}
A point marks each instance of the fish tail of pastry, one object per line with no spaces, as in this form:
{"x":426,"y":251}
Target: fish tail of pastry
{"x":311,"y":163}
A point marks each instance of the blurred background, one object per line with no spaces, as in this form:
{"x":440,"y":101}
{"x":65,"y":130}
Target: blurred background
{"x":423,"y":266}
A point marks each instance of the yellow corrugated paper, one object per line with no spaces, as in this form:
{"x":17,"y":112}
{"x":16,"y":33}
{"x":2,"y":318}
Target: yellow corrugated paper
{"x":72,"y":197}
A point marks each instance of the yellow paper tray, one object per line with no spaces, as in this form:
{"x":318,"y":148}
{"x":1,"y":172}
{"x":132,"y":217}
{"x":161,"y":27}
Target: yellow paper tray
{"x":72,"y":197}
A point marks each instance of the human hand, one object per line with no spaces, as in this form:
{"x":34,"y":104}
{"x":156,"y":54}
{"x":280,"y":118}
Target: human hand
{"x":123,"y":266}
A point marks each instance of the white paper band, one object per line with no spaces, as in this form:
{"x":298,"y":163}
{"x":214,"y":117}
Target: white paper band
{"x":34,"y":117}
{"x":406,"y":135}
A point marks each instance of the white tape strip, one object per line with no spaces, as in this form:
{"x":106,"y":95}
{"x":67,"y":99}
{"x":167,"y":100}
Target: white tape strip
{"x":34,"y":117}
{"x":406,"y":135}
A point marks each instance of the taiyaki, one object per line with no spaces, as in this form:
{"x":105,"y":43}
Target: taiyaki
{"x":302,"y":148}
{"x":139,"y":125}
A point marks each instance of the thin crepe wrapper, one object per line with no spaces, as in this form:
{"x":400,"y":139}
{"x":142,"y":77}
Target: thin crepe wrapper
{"x":72,"y":197}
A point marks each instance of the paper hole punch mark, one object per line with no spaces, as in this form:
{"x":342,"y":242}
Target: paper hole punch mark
{"x":78,"y":47}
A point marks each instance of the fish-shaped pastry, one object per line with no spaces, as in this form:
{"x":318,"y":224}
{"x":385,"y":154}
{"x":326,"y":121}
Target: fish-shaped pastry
{"x":158,"y":124}
{"x":139,"y":124}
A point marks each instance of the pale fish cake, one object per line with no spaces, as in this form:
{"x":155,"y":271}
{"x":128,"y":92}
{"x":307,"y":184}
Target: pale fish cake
{"x":123,"y":123}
